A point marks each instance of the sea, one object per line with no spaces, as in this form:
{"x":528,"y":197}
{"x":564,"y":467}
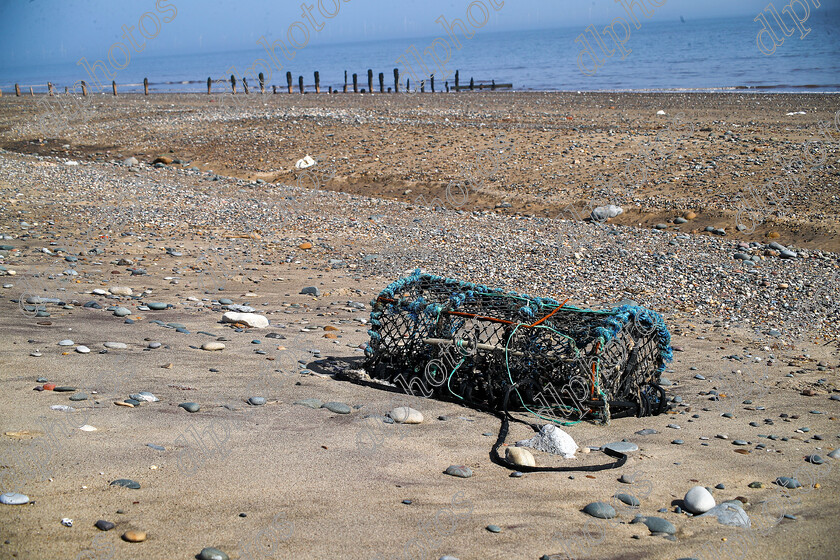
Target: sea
{"x":681,"y":55}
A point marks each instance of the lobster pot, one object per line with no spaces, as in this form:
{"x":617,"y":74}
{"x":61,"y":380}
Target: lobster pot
{"x":434,"y":336}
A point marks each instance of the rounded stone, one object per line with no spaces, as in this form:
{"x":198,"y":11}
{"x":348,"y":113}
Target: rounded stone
{"x":66,"y":342}
{"x":337,"y":407}
{"x":835,"y":454}
{"x":14,"y":499}
{"x":815,"y":459}
{"x":788,"y":482}
{"x":622,"y":447}
{"x":122,"y":312}
{"x":256,"y":401}
{"x":115,"y":345}
{"x":190,"y":406}
{"x":406,"y":415}
{"x":134,"y":536}
{"x":628,"y":499}
{"x":658,"y":525}
{"x":157,"y":306}
{"x":79,"y":397}
{"x":211,"y":553}
{"x":81,"y":349}
{"x":461,"y":471}
{"x":121,"y":291}
{"x":494,"y":528}
{"x":600,"y":510}
{"x":126,"y":483}
{"x":215,"y":345}
{"x":520,"y":456}
{"x":698,"y":500}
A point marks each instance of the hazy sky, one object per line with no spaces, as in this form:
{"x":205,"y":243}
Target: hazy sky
{"x":61,"y":31}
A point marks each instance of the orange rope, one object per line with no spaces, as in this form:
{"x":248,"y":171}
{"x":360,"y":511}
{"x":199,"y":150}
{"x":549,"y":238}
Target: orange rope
{"x":475,"y":316}
{"x":549,"y":315}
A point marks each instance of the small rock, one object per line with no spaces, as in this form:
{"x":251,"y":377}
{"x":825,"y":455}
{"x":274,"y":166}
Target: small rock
{"x":788,"y":482}
{"x":134,"y":536}
{"x":461,"y":471}
{"x":600,"y":510}
{"x":66,"y":342}
{"x":214,"y":345}
{"x":190,"y":406}
{"x":699,"y":500}
{"x":115,"y":345}
{"x":81,"y":349}
{"x":211,"y":553}
{"x":121,"y":291}
{"x":256,"y":401}
{"x":103,"y":525}
{"x":621,"y":447}
{"x":14,"y":499}
{"x":628,"y":499}
{"x":126,"y":483}
{"x":520,"y":456}
{"x":122,"y":312}
{"x":494,"y":528}
{"x":311,"y":290}
{"x":406,"y":415}
{"x":253,"y":320}
{"x":656,"y":524}
{"x":337,"y":407}
{"x":311,"y":403}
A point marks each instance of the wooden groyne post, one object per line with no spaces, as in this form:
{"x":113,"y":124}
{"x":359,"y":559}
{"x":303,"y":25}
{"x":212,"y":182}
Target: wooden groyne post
{"x":317,"y":82}
{"x":146,"y":86}
{"x":289,"y":81}
{"x":262,"y":83}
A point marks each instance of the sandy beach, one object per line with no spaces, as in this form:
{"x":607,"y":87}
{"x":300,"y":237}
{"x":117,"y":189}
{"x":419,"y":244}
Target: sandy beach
{"x":224,"y":219}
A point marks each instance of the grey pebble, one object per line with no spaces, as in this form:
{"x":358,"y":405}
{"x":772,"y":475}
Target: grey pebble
{"x":190,"y":406}
{"x":256,"y":401}
{"x":788,"y":482}
{"x":494,"y":528}
{"x":311,"y":403}
{"x":103,"y":525}
{"x":657,"y":524}
{"x":14,"y":499}
{"x":621,"y":446}
{"x":628,"y":499}
{"x":126,"y":483}
{"x":337,"y":407}
{"x":601,"y":510}
{"x":460,"y":471}
{"x":211,"y":553}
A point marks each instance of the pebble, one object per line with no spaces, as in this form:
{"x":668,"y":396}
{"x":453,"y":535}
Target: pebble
{"x":739,"y":442}
{"x":66,"y":342}
{"x":406,"y":415}
{"x":835,"y":454}
{"x":213,"y":346}
{"x":646,"y":432}
{"x":311,"y":403}
{"x":190,"y":406}
{"x":156,"y":447}
{"x":621,"y":447}
{"x":788,"y":482}
{"x":251,"y":319}
{"x":656,"y":524}
{"x":756,"y":484}
{"x":313,"y":290}
{"x":157,"y":306}
{"x":494,"y":528}
{"x":122,"y":312}
{"x":14,"y":499}
{"x":65,"y":389}
{"x":79,"y":397}
{"x":520,"y":456}
{"x":699,"y":500}
{"x":121,"y":291}
{"x":815,"y":459}
{"x":461,"y":471}
{"x":134,"y":536}
{"x":115,"y":345}
{"x":144,"y":396}
{"x":678,"y":442}
{"x":211,"y":553}
{"x":103,"y":525}
{"x":256,"y":401}
{"x":81,"y":349}
{"x":628,"y":499}
{"x":337,"y":407}
{"x":600,"y":510}
{"x":154,"y":345}
{"x":126,"y":483}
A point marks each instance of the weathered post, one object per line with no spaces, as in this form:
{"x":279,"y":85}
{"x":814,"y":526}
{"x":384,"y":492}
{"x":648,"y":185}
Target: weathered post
{"x":114,"y":87}
{"x":457,"y":80}
{"x":381,"y":82}
{"x":472,"y":85}
{"x":493,"y":84}
{"x":209,"y":85}
{"x":300,"y":83}
{"x":274,"y":89}
{"x":330,"y":89}
{"x":422,"y":86}
{"x":17,"y":90}
{"x":262,"y":83}
{"x":408,"y":85}
{"x":245,"y":85}
{"x":233,"y":84}
{"x":84,"y":89}
{"x":432,"y":80}
{"x":145,"y":86}
{"x":49,"y":87}
{"x":396,"y":80}
{"x":66,"y":89}
{"x":447,"y":86}
{"x":345,"y":82}
{"x":317,"y":82}
{"x":289,"y":81}
{"x":355,"y":83}
{"x":370,"y":80}
{"x":31,"y":92}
